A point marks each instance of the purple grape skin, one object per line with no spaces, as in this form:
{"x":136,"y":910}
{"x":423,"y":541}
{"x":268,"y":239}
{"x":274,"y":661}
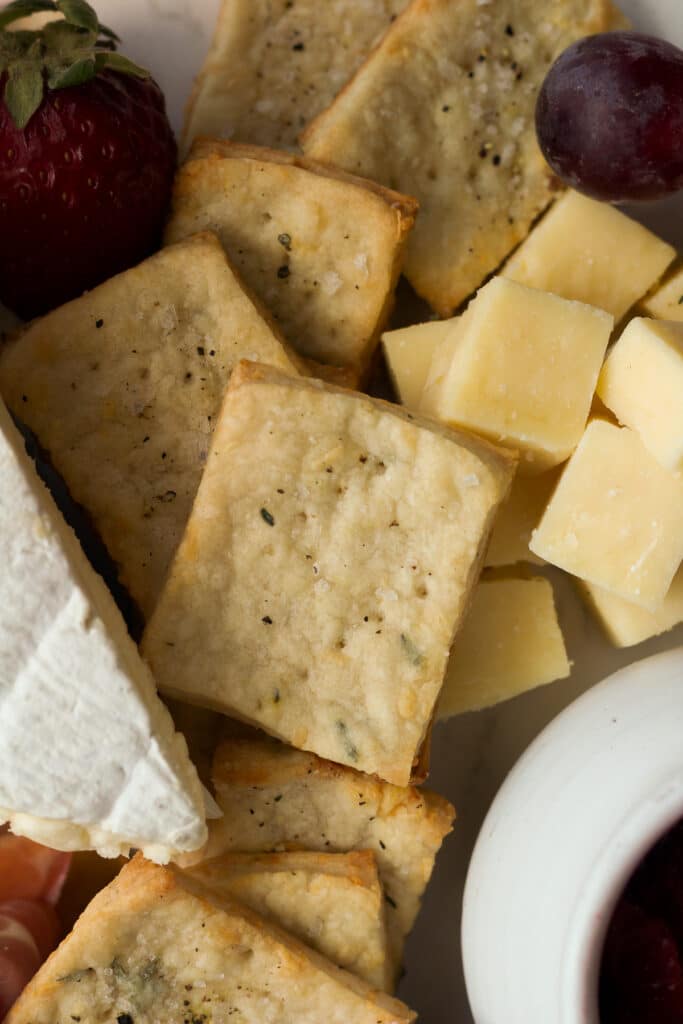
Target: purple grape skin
{"x":609,"y":117}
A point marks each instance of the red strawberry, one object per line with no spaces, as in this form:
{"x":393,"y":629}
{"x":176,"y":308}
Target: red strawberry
{"x":87,"y":158}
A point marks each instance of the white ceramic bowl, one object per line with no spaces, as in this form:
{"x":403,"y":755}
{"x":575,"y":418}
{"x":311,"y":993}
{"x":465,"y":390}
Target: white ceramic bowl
{"x":577,"y":813}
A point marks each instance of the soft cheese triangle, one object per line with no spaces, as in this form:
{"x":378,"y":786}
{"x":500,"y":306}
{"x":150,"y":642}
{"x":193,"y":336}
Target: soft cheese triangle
{"x":156,"y":945}
{"x":89,"y":758}
{"x":443,"y":110}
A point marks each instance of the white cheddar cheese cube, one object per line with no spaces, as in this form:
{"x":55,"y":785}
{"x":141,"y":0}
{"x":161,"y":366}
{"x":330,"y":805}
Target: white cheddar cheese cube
{"x":409,"y":353}
{"x":523,"y":368}
{"x":642,"y":383}
{"x":510,"y":642}
{"x":626,"y":623}
{"x":666,"y":301}
{"x":89,"y":758}
{"x":590,"y":251}
{"x":518,"y":518}
{"x":616,"y":517}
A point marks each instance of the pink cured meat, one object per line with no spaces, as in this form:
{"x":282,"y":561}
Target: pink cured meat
{"x":19,"y":959}
{"x":29,"y":871}
{"x":31,"y":880}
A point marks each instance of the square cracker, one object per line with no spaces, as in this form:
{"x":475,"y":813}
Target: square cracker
{"x":322,"y":249}
{"x":333,"y":902}
{"x":156,"y":945}
{"x":326,"y":566}
{"x":122,"y":388}
{"x":273,"y":65}
{"x":300,"y":801}
{"x":443,"y":110}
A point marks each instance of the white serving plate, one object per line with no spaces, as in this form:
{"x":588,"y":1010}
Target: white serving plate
{"x":472,"y":754}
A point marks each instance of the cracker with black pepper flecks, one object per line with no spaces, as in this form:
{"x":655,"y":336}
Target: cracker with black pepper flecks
{"x":326,"y":567}
{"x":156,"y":945}
{"x":274,"y":797}
{"x":443,"y":110}
{"x":321,"y":248}
{"x":274,"y":64}
{"x":122,"y":388}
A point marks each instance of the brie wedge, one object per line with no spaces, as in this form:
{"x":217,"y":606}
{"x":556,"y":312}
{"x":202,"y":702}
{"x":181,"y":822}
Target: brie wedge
{"x":89,"y":758}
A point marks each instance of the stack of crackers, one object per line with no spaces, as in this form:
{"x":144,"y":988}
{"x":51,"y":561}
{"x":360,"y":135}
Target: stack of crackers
{"x":302,"y":554}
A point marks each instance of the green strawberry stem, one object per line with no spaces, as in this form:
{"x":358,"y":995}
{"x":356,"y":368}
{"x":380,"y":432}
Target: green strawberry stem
{"x":63,"y":53}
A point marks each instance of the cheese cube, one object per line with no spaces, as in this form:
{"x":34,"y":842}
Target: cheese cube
{"x":666,"y":301}
{"x":510,"y":642}
{"x":642,"y":383}
{"x":590,"y":251}
{"x":318,"y":597}
{"x":616,"y":517}
{"x":523,"y":368}
{"x":520,"y":514}
{"x":626,"y":623}
{"x":409,"y":353}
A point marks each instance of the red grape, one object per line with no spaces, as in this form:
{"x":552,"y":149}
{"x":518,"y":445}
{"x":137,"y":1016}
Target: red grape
{"x":609,"y":117}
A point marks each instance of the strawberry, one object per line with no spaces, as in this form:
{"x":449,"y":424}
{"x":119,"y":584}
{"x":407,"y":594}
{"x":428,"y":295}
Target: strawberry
{"x":87,"y":157}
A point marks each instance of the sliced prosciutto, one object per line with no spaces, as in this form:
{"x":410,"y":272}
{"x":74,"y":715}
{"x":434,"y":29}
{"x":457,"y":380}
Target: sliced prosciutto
{"x":31,"y":879}
{"x":29,"y":871}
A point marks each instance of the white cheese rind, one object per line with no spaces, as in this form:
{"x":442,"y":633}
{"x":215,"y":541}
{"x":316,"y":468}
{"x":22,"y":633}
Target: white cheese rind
{"x":88,"y":754}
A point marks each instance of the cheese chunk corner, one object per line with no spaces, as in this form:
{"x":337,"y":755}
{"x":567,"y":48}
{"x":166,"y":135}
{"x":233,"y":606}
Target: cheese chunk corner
{"x":642,"y":384}
{"x":589,"y":251}
{"x":510,"y":642}
{"x":627,"y":624}
{"x":665,"y":302}
{"x":616,"y":517}
{"x":519,"y":515}
{"x":409,"y":352}
{"x":522,"y":372}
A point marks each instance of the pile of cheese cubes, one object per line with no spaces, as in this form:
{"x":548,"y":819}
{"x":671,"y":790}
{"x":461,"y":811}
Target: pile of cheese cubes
{"x":599,"y":492}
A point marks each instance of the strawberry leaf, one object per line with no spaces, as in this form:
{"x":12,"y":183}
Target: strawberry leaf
{"x":63,"y":42}
{"x":23,"y":92}
{"x":117,"y":62}
{"x":22,"y":9}
{"x":76,"y":74}
{"x":79,"y":13}
{"x":109,"y":33}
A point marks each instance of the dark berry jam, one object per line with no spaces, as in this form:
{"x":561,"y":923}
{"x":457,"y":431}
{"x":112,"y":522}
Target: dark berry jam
{"x":641,"y":975}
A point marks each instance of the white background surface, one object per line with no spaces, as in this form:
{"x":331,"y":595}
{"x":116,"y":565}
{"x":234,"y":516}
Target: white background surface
{"x":471,"y":755}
